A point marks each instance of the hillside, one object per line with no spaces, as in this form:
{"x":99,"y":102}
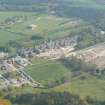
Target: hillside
{"x":52,"y":52}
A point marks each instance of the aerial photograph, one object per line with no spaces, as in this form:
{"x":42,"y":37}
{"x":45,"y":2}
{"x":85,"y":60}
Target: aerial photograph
{"x":52,"y":52}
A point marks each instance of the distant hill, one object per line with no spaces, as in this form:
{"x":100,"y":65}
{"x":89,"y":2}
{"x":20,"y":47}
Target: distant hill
{"x":22,"y":2}
{"x":89,"y":10}
{"x":22,"y":5}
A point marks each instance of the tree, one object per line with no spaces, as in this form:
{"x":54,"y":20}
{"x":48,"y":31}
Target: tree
{"x":52,"y":98}
{"x":4,"y":102}
{"x":36,"y":40}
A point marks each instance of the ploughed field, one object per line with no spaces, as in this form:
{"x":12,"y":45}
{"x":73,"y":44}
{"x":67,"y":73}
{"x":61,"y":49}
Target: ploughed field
{"x":94,"y":54}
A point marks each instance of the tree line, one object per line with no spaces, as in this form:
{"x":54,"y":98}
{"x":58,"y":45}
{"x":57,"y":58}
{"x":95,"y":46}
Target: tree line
{"x":52,"y":98}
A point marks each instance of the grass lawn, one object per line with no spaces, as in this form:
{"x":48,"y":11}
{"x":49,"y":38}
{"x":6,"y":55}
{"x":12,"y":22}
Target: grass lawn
{"x":46,"y":71}
{"x":7,"y":36}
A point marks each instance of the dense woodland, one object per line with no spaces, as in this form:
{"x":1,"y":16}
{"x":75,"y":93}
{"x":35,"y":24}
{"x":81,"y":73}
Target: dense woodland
{"x":47,"y":99}
{"x":52,"y":98}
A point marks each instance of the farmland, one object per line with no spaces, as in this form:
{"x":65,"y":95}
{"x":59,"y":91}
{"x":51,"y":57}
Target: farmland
{"x":91,"y":86}
{"x":52,"y":48}
{"x":18,"y":31}
{"x":49,"y":70}
{"x":52,"y":71}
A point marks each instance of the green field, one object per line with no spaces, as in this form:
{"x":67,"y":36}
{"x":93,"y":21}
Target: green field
{"x":90,"y":86}
{"x":46,"y":26}
{"x":49,"y":71}
{"x":46,"y":71}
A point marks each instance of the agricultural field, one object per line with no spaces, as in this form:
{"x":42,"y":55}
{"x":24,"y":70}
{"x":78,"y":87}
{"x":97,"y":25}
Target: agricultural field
{"x":90,"y":86}
{"x":83,"y":84}
{"x":21,"y":26}
{"x":46,"y":71}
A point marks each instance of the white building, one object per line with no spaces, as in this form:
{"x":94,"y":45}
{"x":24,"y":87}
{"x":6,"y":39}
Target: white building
{"x":21,"y":61}
{"x":2,"y":54}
